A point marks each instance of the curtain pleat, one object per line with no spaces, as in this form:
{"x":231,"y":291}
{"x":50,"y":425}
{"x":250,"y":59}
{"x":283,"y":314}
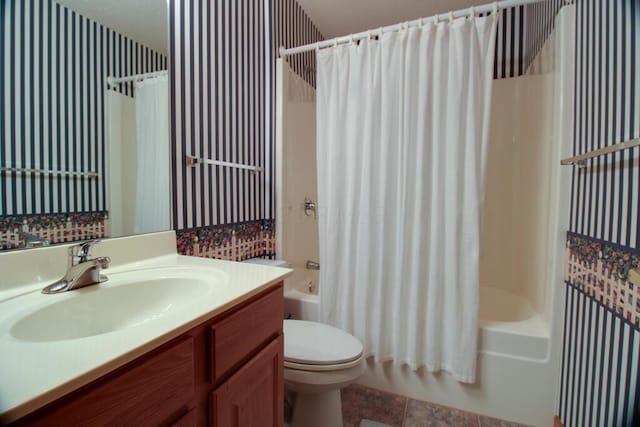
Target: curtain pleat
{"x":402,"y":132}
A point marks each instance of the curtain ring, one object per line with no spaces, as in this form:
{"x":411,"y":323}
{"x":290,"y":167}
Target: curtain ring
{"x":472,"y":13}
{"x":451,"y":17}
{"x":495,"y":8}
{"x":351,"y":41}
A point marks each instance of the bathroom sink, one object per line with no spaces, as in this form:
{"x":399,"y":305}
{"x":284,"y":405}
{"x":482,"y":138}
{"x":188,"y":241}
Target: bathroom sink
{"x":127,"y":300}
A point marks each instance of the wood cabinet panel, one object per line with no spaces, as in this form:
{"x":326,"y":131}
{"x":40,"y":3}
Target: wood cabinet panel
{"x":234,"y":338}
{"x":253,"y":396}
{"x":146,"y":394}
{"x":190,"y":419}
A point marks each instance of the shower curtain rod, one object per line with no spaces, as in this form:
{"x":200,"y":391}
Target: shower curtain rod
{"x":504,"y":4}
{"x":117,"y":80}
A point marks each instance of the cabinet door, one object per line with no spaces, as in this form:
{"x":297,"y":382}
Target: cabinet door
{"x":253,"y":396}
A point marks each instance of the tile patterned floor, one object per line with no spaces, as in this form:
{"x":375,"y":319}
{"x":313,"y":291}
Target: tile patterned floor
{"x":367,"y":407}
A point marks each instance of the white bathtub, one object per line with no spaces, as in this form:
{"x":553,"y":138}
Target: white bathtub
{"x":514,"y":379}
{"x":508,"y":324}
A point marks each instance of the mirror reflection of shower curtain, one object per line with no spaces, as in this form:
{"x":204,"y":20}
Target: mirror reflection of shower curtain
{"x":152,"y":211}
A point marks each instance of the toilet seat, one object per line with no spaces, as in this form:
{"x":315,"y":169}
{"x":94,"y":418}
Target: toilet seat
{"x":320,"y":368}
{"x":313,"y":346}
{"x":319,"y":360}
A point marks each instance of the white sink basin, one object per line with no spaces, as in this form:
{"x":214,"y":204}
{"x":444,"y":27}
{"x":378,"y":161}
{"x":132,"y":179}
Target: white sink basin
{"x":126,"y":300}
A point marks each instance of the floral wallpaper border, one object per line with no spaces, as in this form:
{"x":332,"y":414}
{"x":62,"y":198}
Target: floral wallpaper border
{"x":234,"y":242}
{"x":601,"y":270}
{"x":56,"y":228}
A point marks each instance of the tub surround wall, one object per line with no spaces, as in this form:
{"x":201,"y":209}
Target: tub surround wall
{"x":297,"y":232}
{"x":601,"y":358}
{"x":52,"y":79}
{"x":514,"y":243}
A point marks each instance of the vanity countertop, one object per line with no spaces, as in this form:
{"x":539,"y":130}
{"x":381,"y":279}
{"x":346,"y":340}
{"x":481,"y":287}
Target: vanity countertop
{"x":34,"y":372}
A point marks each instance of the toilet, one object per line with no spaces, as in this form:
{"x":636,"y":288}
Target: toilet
{"x":319,"y":360}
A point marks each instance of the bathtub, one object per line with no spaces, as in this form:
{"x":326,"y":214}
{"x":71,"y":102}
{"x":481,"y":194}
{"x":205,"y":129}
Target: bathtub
{"x":509,"y":326}
{"x":514,"y":381}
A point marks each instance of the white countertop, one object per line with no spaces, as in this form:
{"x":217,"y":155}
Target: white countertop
{"x":33,"y":374}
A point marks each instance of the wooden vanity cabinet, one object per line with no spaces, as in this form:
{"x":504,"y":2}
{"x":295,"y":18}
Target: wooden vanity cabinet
{"x":226,"y":372}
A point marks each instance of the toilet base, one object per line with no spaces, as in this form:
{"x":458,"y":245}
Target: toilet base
{"x":317,"y":410}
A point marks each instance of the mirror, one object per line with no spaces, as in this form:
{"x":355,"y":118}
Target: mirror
{"x":84,"y":120}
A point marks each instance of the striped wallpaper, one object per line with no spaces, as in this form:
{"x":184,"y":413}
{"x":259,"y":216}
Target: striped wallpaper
{"x":53,"y":67}
{"x":521,"y":34}
{"x":605,"y":195}
{"x":600,"y":382}
{"x":222,"y":62}
{"x":600,"y":365}
{"x":510,"y":44}
{"x":219,"y":62}
{"x":540,"y":20}
{"x":292,"y":27}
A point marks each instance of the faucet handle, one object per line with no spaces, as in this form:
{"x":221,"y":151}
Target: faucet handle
{"x":81,"y":252}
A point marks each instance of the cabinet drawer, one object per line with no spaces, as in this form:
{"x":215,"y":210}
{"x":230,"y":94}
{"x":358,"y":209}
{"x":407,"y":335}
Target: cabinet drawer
{"x":236,"y":337}
{"x":145,"y":394}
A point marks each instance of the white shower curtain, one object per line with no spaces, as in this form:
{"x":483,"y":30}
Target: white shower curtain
{"x":152,"y":211}
{"x":402,"y":129}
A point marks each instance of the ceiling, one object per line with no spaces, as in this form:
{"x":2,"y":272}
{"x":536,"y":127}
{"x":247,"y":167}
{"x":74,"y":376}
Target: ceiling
{"x":342,"y":17}
{"x":145,"y":21}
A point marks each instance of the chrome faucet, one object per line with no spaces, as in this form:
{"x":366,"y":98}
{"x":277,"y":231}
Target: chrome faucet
{"x":31,"y":240}
{"x":81,"y":270}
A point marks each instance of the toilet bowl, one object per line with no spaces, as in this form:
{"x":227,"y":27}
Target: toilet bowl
{"x":319,"y":360}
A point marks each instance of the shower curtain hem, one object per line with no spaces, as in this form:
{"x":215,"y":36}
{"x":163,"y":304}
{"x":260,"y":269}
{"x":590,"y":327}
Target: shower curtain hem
{"x":414,"y":366}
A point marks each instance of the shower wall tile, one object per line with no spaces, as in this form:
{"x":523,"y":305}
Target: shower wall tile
{"x":53,"y":67}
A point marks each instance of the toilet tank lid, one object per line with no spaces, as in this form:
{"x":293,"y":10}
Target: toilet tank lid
{"x":313,"y":343}
{"x":266,"y":261}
